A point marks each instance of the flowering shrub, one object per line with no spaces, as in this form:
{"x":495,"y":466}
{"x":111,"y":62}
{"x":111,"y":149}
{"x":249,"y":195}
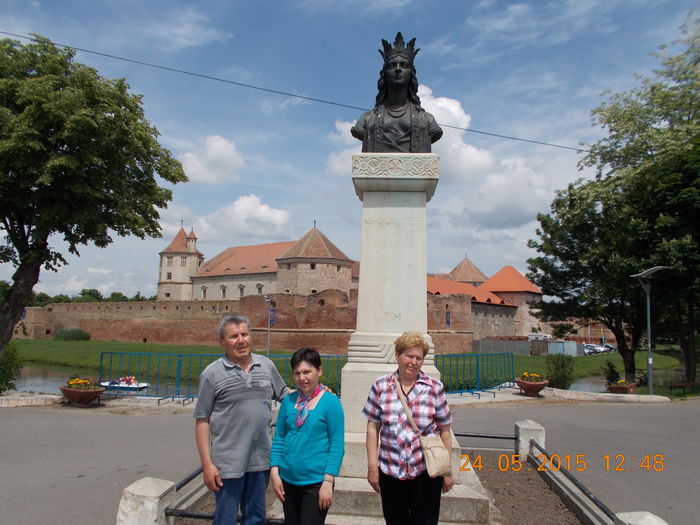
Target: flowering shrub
{"x":621,"y":382}
{"x":80,"y":383}
{"x":532,"y":377}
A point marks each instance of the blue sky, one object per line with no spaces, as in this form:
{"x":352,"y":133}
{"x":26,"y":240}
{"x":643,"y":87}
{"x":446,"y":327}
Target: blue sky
{"x":263,"y":167}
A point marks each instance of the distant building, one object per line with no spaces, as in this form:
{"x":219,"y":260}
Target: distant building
{"x":307,"y":266}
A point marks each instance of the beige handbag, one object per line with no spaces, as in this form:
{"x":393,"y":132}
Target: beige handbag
{"x":437,"y":458}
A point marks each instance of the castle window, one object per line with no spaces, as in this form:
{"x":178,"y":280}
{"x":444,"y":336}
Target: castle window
{"x":314,"y":291}
{"x":169,"y":261}
{"x":167,"y":294}
{"x":260,"y":288}
{"x":169,"y":276}
{"x":322,"y":303}
{"x":223,"y":292}
{"x":289,"y":266}
{"x":313,"y":266}
{"x":183,"y":261}
{"x":204,"y":292}
{"x":337,"y":268}
{"x":287,"y":290}
{"x":241,"y":290}
{"x":199,"y":263}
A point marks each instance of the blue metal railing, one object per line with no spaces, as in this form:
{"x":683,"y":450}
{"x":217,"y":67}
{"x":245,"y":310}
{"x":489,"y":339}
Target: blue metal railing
{"x":475,"y":372}
{"x":177,"y":375}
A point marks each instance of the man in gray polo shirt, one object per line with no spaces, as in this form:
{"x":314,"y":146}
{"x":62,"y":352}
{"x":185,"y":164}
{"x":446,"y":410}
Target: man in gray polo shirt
{"x":232,"y":429}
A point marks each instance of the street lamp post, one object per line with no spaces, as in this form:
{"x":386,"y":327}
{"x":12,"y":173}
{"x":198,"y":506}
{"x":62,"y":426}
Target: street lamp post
{"x":268,"y":300}
{"x":646,"y":286}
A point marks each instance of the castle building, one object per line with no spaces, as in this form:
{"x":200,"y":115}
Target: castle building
{"x":304,"y":267}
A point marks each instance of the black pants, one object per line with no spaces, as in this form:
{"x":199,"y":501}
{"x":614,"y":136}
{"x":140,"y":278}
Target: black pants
{"x":301,"y":505}
{"x":411,"y":501}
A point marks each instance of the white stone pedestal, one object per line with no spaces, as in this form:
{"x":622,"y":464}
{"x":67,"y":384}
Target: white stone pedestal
{"x":394,"y":189}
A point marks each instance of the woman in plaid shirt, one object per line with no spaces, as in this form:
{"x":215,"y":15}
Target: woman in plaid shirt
{"x":395,"y":465}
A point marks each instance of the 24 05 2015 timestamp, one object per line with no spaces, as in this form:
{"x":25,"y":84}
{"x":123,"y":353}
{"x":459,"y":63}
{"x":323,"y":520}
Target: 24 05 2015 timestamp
{"x":570,"y":462}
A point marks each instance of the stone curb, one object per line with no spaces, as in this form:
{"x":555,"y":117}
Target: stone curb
{"x":28,"y":401}
{"x":603,"y":396}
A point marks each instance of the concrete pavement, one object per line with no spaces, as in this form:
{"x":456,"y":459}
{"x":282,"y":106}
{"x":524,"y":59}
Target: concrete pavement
{"x":67,"y":465}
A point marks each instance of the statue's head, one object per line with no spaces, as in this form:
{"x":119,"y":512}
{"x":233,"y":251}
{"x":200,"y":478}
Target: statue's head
{"x":404,"y":53}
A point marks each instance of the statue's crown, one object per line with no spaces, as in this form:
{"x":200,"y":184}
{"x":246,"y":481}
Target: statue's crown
{"x":399,"y":48}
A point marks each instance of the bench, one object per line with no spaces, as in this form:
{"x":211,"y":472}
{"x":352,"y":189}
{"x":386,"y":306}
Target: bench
{"x":686,"y":384}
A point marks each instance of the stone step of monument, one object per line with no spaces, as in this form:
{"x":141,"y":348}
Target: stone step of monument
{"x":355,"y":503}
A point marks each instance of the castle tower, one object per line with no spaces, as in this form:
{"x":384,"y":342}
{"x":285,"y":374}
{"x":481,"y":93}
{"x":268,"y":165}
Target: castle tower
{"x":512,"y":286}
{"x":312,"y":265}
{"x":178,"y":263}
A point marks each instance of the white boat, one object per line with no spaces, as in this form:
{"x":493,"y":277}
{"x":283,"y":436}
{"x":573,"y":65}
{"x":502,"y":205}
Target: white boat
{"x":116,"y":385}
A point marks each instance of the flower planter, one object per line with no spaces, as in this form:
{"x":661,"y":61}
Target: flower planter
{"x":81,"y":398}
{"x":530,"y":388}
{"x":623,"y":389}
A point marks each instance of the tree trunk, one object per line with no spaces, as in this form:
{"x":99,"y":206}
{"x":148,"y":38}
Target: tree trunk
{"x":688,"y":349}
{"x":627,"y":355}
{"x":19,"y":294}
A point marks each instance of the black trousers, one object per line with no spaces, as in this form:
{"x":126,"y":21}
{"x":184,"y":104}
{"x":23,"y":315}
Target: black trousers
{"x":410,"y":501}
{"x":301,"y":505}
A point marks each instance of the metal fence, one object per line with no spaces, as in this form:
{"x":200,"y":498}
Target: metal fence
{"x":475,"y":372}
{"x":177,"y":375}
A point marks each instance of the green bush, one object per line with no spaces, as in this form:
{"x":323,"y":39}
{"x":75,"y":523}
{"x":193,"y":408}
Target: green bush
{"x":610,"y":372}
{"x":560,"y":370}
{"x":10,"y":363}
{"x":71,"y":334}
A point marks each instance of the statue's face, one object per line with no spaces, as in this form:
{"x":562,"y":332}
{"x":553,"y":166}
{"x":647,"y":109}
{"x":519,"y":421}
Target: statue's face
{"x":397,"y":71}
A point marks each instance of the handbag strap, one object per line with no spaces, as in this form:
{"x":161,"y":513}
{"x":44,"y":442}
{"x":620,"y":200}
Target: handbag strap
{"x":402,"y":397}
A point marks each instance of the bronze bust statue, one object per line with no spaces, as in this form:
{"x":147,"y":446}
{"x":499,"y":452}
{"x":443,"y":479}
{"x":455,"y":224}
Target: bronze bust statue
{"x":397,"y":124}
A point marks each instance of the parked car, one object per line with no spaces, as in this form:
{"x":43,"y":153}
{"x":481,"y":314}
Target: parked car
{"x":609,"y":347}
{"x":590,"y":349}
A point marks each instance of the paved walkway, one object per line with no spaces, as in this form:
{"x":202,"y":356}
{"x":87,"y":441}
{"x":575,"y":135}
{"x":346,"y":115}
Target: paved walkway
{"x":67,"y":465}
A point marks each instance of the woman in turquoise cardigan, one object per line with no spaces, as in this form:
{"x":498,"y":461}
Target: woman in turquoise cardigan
{"x":308,"y":447}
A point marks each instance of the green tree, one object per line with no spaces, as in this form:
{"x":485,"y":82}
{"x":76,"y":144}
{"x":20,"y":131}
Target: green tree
{"x":138,"y":297}
{"x":78,"y":160}
{"x":117,"y":297}
{"x":585,"y":262}
{"x":642,"y":211}
{"x":89,"y":295}
{"x":61,"y":298}
{"x":654,"y":142}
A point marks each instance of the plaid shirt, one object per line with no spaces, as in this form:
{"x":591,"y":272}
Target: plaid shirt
{"x":400,"y":453}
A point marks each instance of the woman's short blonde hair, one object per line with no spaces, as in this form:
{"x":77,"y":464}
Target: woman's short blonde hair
{"x":409,"y":340}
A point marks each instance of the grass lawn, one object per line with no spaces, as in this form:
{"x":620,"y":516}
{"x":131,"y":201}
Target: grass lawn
{"x":590,"y":365}
{"x":84,"y":357}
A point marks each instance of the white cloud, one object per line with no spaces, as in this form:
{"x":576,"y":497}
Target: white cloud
{"x":340,"y":162}
{"x":102,"y":271}
{"x":459,"y":160}
{"x":270,"y":106}
{"x":509,"y":197}
{"x":216,"y":161}
{"x":70,"y":286}
{"x":342,"y":133}
{"x":247,"y":216}
{"x":184,"y":28}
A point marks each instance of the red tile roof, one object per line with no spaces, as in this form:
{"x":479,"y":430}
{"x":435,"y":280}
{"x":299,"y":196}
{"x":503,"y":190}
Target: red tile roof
{"x":260,"y":258}
{"x":447,"y":287}
{"x":314,"y":245}
{"x":179,"y":243}
{"x":467,"y":272}
{"x":508,"y":279}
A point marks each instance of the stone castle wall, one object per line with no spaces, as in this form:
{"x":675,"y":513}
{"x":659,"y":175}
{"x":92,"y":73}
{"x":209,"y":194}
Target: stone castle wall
{"x":324,"y":320}
{"x":302,"y":279}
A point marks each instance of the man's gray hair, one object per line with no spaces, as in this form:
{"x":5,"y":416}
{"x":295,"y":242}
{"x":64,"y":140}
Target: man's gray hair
{"x":232,"y":319}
